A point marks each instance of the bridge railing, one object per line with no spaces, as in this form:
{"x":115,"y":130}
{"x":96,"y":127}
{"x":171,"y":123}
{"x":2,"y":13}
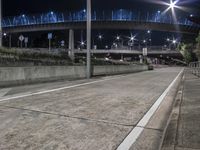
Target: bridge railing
{"x":195,"y":68}
{"x":115,"y":15}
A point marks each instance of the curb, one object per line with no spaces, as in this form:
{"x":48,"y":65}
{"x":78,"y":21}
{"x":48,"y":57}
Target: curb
{"x":176,"y":103}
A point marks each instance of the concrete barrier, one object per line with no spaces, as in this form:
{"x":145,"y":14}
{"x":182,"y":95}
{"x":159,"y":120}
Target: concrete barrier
{"x":117,"y":69}
{"x":24,"y":75}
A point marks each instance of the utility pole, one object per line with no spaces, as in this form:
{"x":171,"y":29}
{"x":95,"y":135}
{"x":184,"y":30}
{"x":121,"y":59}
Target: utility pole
{"x":0,"y":23}
{"x":88,"y":70}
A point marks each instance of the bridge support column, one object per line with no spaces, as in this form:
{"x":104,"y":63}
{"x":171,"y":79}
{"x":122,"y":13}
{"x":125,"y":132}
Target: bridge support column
{"x":122,"y":57}
{"x":10,"y":40}
{"x":71,"y":44}
{"x":141,"y":59}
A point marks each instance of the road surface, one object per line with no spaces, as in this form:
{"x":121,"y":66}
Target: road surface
{"x":95,"y":114}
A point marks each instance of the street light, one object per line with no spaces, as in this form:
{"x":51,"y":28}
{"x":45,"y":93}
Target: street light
{"x":131,"y":41}
{"x":117,"y":37}
{"x":88,"y":70}
{"x":82,"y":43}
{"x":132,"y":38}
{"x":119,"y":41}
{"x":149,"y":33}
{"x":172,"y":4}
{"x":174,"y":41}
{"x":0,"y":23}
{"x":100,"y":37}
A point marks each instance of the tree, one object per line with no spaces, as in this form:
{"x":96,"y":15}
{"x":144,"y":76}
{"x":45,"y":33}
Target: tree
{"x":186,"y":51}
{"x":197,"y":51}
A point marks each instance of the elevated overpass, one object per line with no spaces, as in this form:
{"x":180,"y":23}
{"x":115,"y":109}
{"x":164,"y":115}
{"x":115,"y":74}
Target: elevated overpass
{"x":125,"y":25}
{"x":117,"y":53}
{"x":117,"y":19}
{"x":136,"y":52}
{"x":152,"y":51}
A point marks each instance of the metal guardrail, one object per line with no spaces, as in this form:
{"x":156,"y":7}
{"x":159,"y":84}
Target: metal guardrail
{"x":195,"y":68}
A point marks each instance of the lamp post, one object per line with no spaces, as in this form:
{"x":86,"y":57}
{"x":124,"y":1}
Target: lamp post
{"x":0,"y":23}
{"x":88,"y":70}
{"x":150,"y":39}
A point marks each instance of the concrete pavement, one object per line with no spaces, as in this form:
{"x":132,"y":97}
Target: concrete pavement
{"x":92,"y":116}
{"x":183,"y":132}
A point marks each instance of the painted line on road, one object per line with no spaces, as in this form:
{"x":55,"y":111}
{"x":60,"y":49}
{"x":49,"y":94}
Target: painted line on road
{"x":59,"y":89}
{"x":136,"y":132}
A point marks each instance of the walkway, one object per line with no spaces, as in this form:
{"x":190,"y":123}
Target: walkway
{"x":184,"y":129}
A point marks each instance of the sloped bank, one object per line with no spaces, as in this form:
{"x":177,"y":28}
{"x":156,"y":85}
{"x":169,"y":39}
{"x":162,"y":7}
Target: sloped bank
{"x":10,"y":76}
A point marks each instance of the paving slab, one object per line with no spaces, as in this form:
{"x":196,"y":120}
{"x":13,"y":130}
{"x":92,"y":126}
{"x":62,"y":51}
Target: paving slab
{"x":34,"y":130}
{"x":149,"y":140}
{"x":184,"y":127}
{"x":122,"y":100}
{"x":152,"y":135}
{"x":189,"y":122}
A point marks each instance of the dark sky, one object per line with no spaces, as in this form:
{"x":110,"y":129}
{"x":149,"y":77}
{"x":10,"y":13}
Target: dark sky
{"x":17,"y":7}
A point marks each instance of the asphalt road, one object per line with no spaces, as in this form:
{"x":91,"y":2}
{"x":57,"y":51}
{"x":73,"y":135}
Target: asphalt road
{"x":95,"y":114}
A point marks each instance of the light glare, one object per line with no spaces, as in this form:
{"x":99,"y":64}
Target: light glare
{"x":172,"y":5}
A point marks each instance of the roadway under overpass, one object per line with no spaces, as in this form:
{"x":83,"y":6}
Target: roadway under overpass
{"x":120,"y":54}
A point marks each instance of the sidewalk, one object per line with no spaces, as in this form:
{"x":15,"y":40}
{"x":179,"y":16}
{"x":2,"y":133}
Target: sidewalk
{"x":183,"y":132}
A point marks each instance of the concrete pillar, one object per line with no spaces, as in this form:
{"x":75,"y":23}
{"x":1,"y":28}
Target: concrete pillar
{"x":0,"y":23}
{"x":71,"y":44}
{"x":10,"y":40}
{"x":141,"y":59}
{"x":122,"y":57}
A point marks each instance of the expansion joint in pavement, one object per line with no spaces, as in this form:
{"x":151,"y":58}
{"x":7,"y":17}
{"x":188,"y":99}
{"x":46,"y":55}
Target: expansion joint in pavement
{"x":187,"y":148}
{"x":155,"y":129}
{"x":72,"y":117}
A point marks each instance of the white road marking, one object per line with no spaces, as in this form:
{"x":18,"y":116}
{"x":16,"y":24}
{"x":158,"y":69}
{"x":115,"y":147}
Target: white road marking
{"x":135,"y":133}
{"x":58,"y":89}
{"x":4,"y":91}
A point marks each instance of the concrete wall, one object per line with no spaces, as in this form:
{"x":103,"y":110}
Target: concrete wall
{"x":24,"y":75}
{"x":118,"y":69}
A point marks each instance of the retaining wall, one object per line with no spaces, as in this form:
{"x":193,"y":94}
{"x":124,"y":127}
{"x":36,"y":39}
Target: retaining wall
{"x":24,"y":75}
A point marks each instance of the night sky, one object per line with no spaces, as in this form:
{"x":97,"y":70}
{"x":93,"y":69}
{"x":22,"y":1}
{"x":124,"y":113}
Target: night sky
{"x":17,"y":7}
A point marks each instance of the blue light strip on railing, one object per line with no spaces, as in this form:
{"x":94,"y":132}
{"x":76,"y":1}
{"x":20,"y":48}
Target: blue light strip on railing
{"x":117,"y":15}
